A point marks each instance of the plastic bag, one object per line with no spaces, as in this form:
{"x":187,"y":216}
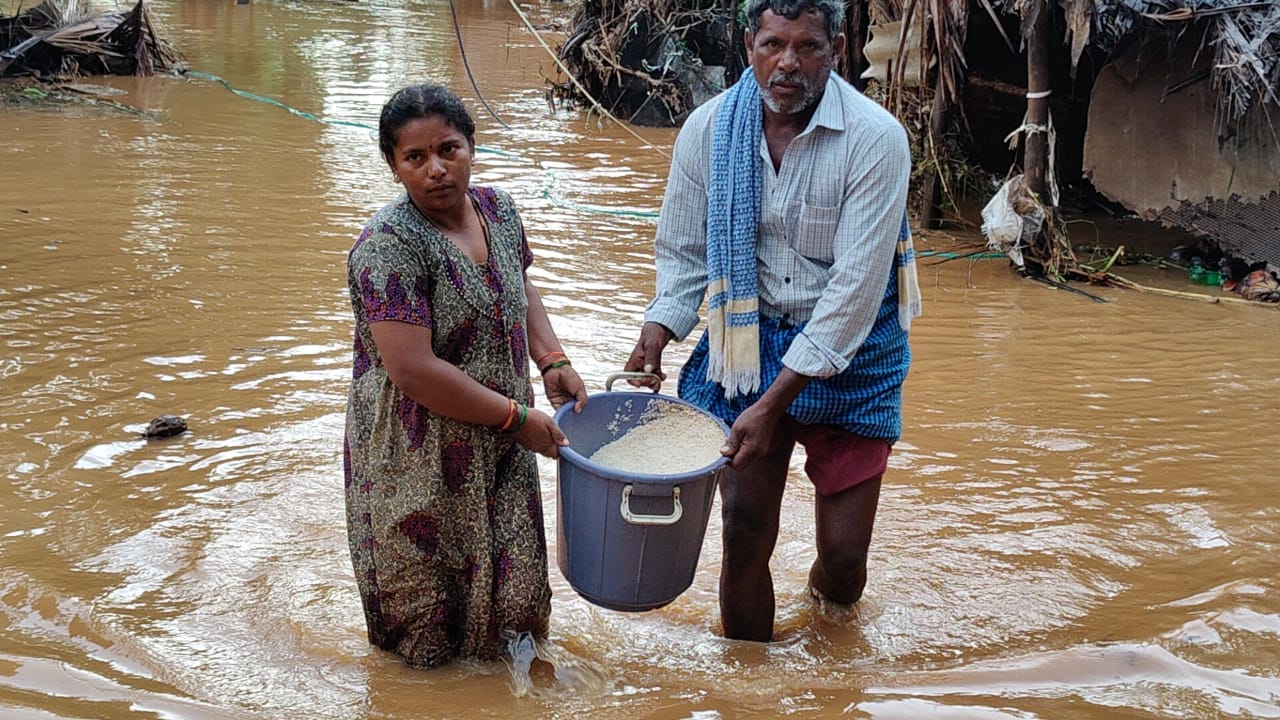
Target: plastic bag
{"x":1012,"y":218}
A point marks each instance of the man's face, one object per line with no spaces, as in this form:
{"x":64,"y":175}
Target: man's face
{"x":791,"y":60}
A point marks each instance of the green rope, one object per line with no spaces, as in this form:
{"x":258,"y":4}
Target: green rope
{"x":958,"y":256}
{"x":252,"y":96}
{"x":549,"y":186}
{"x":549,"y":182}
{"x":306,"y":115}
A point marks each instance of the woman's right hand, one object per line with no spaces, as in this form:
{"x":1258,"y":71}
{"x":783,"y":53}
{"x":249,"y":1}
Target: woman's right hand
{"x":540,"y":434}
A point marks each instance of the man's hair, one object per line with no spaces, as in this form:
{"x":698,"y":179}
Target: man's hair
{"x":832,"y":10}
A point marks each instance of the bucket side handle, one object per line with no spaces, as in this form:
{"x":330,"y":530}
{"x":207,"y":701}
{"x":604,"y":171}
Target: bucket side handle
{"x":638,"y":519}
{"x":608,"y":383}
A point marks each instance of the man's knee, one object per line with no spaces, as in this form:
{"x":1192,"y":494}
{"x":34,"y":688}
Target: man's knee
{"x":751,"y":502}
{"x":748,"y":539}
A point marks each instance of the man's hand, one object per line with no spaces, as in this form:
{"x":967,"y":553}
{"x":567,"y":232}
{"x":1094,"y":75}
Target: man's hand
{"x":750,"y":436}
{"x":647,"y":355}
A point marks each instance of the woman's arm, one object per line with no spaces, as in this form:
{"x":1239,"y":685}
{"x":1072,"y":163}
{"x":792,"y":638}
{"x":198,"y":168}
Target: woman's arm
{"x":542,"y":338}
{"x":433,"y":383}
{"x":444,"y":389}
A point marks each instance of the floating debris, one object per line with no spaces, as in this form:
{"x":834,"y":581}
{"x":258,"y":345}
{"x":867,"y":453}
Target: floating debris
{"x":649,"y":62}
{"x":165,"y":426}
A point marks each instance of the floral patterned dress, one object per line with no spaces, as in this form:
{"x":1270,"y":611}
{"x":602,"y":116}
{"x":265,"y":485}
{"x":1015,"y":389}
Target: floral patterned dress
{"x":444,"y":518}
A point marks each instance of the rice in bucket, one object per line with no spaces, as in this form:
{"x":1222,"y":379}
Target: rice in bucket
{"x":667,"y":439}
{"x":635,"y":489}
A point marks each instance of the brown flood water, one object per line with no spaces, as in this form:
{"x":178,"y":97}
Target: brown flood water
{"x":1081,"y":521}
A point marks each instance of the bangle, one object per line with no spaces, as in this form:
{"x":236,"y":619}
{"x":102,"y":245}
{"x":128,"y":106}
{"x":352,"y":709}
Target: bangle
{"x":524,"y":413}
{"x":548,"y":356}
{"x":554,"y":365}
{"x":551,"y":357}
{"x":511,"y":416}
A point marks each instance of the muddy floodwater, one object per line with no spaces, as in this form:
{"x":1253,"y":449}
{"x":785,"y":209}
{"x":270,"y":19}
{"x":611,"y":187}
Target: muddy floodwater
{"x":1082,"y":519}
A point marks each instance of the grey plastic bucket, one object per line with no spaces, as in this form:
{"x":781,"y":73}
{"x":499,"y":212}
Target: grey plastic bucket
{"x":627,"y":541}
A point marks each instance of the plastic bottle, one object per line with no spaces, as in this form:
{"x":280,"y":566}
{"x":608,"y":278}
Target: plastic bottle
{"x":1196,"y":272}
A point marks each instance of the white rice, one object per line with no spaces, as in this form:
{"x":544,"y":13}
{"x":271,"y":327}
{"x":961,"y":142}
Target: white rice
{"x":668,"y":439}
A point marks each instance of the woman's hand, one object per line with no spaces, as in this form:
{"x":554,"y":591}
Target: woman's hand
{"x":540,"y":434}
{"x":562,"y":384}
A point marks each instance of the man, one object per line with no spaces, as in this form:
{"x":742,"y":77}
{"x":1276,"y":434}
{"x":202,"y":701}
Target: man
{"x":786,"y":208}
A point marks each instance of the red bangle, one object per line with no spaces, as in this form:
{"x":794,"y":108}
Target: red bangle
{"x":551,"y":356}
{"x":511,"y":415}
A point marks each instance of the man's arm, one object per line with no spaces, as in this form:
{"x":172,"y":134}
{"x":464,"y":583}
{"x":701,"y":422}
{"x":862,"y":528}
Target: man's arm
{"x":680,"y":254}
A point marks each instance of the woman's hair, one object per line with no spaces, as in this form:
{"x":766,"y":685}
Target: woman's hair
{"x":832,"y":10}
{"x":420,"y":101}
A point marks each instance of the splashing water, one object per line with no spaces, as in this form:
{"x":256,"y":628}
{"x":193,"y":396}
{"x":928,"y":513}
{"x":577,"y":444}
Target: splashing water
{"x":571,"y":671}
{"x":833,"y":612}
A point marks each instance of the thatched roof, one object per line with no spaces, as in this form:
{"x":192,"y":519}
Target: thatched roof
{"x":1243,"y":38}
{"x":65,"y":38}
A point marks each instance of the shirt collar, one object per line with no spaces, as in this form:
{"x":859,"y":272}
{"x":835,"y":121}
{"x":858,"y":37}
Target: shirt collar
{"x":829,"y":113}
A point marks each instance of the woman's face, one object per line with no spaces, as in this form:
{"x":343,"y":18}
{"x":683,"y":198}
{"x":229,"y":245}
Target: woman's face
{"x":433,"y":161}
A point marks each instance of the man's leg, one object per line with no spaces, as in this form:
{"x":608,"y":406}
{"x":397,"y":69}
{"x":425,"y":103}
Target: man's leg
{"x":750,"y":502}
{"x":844,"y":523}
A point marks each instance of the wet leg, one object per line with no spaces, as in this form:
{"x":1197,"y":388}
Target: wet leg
{"x":750,"y":503}
{"x":844,"y":522}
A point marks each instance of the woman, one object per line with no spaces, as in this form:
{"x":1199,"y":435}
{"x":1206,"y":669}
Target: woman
{"x":443,"y":509}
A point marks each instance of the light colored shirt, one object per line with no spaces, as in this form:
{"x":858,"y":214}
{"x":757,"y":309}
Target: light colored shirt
{"x":829,"y":222}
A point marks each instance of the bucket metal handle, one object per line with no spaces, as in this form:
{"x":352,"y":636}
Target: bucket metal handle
{"x":608,"y":383}
{"x":637,"y":519}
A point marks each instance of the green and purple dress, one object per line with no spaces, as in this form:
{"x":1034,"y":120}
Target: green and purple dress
{"x":444,"y":517}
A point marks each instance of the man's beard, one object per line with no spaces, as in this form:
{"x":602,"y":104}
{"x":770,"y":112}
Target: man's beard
{"x":812,"y":91}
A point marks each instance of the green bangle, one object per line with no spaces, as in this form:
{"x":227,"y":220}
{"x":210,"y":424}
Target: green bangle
{"x":554,"y":365}
{"x":524,"y":413}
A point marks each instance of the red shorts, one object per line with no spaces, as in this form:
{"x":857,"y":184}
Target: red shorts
{"x":836,"y":458}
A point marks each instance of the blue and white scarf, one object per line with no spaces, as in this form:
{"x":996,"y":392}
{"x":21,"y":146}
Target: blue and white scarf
{"x":733,"y":218}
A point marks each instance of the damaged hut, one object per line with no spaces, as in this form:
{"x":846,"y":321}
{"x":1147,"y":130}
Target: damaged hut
{"x":1181,"y":120}
{"x":64,"y":39}
{"x":649,"y":62}
{"x":1163,"y":107}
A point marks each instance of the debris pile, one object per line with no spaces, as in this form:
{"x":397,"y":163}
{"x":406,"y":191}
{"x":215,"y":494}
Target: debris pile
{"x":63,"y":39}
{"x":649,"y":62}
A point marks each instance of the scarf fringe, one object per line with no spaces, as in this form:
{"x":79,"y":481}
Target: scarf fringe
{"x":733,"y":216}
{"x":910,"y":302}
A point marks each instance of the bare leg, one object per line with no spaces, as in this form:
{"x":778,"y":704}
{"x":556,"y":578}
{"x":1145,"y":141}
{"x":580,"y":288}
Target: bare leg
{"x":750,"y":502}
{"x":844,"y":523}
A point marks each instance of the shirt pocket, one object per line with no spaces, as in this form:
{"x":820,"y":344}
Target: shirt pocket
{"x":816,"y":232}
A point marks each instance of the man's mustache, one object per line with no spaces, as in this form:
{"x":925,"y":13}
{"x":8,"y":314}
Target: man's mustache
{"x":792,"y":78}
